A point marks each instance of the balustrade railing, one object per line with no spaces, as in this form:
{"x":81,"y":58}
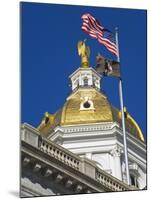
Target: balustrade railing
{"x":57,"y":153}
{"x":110,"y":182}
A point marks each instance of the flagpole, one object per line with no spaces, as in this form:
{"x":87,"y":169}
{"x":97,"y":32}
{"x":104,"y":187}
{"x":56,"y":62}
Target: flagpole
{"x":122,"y":112}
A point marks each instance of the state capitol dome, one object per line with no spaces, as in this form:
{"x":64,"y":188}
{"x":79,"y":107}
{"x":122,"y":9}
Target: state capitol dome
{"x":95,"y":109}
{"x":87,"y":105}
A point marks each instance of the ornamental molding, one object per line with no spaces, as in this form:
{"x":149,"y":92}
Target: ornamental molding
{"x":116,"y":151}
{"x":83,"y":131}
{"x":82,"y":128}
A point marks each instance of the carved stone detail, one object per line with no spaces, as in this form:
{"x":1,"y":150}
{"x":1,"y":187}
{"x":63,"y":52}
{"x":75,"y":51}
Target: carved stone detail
{"x":106,"y":126}
{"x":59,"y":178}
{"x":78,"y":188}
{"x":69,"y":183}
{"x":116,"y":152}
{"x":26,"y":161}
{"x":37,"y":167}
{"x":48,"y":172}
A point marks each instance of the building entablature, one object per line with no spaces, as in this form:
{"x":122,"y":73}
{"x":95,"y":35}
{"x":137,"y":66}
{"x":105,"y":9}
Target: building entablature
{"x":82,"y":130}
{"x":94,"y":131}
{"x":88,"y":127}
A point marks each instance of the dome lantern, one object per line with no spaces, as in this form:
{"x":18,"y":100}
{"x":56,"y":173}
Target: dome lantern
{"x":85,"y":76}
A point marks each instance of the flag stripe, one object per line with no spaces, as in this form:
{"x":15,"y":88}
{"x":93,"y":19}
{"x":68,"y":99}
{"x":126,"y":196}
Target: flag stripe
{"x":91,"y":29}
{"x":107,"y":43}
{"x":108,"y":47}
{"x":95,"y":30}
{"x":88,"y":16}
{"x":90,"y":33}
{"x":93,"y":24}
{"x":96,"y":35}
{"x":90,"y":26}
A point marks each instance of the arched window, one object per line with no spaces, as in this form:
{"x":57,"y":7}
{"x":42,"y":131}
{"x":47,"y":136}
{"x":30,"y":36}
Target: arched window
{"x":77,"y":82}
{"x":85,"y":80}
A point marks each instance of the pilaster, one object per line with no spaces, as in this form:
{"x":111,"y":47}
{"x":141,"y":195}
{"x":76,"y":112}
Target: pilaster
{"x":116,"y":161}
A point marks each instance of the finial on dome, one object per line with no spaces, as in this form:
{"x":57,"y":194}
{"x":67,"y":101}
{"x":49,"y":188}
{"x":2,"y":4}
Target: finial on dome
{"x":84,"y":52}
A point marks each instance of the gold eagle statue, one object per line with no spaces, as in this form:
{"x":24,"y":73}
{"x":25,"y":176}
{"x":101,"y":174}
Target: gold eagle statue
{"x":84,"y":52}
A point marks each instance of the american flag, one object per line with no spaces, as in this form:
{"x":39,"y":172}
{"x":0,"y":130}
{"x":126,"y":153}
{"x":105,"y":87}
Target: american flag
{"x":96,"y":30}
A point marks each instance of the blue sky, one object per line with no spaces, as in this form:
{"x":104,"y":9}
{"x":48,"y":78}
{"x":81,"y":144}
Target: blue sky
{"x":49,"y":36}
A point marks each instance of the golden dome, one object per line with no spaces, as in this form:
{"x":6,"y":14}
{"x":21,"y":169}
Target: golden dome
{"x":87,"y":106}
{"x":74,"y":111}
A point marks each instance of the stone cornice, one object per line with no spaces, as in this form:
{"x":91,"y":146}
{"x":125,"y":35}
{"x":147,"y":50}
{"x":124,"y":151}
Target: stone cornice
{"x":83,"y":130}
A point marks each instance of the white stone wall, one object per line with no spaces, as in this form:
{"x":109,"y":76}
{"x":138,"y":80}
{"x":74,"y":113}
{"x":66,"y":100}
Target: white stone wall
{"x":103,"y":143}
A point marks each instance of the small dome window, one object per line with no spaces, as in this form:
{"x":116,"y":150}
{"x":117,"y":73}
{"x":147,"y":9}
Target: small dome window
{"x":85,"y":80}
{"x":86,"y":104}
